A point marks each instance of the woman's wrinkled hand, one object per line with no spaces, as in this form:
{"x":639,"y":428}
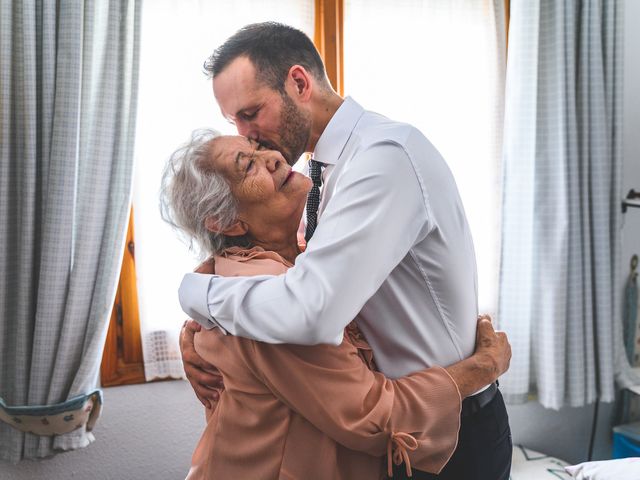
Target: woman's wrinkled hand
{"x":205,"y":379}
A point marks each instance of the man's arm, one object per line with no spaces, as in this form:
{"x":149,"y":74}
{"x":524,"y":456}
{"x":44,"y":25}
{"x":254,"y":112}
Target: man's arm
{"x":375,"y":216}
{"x":333,"y":389}
{"x":491,"y":359}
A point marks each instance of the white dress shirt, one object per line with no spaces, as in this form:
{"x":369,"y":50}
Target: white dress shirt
{"x":392,"y":247}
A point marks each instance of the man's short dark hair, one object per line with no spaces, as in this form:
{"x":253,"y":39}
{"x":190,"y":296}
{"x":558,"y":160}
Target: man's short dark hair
{"x":273,"y":48}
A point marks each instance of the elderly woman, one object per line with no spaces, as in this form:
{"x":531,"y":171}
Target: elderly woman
{"x":294,"y":412}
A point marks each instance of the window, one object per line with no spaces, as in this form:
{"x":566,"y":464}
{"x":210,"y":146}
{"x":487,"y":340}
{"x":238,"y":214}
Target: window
{"x":175,"y":98}
{"x":447,"y":79}
{"x":440,"y":66}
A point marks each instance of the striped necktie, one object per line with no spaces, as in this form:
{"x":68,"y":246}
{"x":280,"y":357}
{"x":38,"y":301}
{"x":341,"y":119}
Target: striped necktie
{"x":313,"y":198}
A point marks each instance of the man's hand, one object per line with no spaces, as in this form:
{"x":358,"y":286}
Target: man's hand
{"x":492,"y":347}
{"x":205,"y":378}
{"x":490,"y":359}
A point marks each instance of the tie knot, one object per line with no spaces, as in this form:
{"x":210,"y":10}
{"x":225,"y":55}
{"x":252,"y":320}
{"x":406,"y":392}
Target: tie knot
{"x":315,"y":171}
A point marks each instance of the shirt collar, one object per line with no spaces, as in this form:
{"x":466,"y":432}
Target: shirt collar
{"x":337,"y":132}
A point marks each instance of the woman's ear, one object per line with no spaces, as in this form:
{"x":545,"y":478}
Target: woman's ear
{"x":237,"y":229}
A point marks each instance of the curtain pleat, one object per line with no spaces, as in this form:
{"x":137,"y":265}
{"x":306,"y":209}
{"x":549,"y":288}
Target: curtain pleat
{"x":561,"y":222}
{"x":68,"y":95}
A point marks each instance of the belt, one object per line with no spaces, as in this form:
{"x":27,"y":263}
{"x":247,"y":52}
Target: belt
{"x":475,"y":403}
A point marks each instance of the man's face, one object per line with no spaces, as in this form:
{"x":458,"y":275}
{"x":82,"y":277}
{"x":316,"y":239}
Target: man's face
{"x":260,"y":112}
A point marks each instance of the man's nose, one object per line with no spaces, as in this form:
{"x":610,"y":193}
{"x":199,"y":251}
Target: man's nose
{"x":246,"y":130}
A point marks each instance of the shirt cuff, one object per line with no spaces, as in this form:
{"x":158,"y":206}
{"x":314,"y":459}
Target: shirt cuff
{"x":193,"y":295}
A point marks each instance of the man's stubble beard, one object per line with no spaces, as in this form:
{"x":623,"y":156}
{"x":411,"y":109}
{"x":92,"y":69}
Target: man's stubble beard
{"x":294,"y":130}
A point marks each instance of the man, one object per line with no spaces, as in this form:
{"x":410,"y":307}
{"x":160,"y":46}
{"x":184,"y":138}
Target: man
{"x":392,"y":243}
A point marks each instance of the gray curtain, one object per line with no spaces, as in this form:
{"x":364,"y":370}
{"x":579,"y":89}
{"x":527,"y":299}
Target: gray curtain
{"x":560,"y":284}
{"x":68,"y":75}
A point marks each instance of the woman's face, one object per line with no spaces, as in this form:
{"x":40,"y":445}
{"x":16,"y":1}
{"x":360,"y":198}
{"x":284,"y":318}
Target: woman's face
{"x":269,"y":193}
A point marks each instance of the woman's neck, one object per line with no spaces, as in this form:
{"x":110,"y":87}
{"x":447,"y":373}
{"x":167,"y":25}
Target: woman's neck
{"x":287,"y":247}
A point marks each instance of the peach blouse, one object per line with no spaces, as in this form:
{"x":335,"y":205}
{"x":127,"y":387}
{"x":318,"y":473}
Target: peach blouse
{"x":319,"y":412}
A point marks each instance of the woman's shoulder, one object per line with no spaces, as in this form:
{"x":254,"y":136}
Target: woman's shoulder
{"x":246,"y":262}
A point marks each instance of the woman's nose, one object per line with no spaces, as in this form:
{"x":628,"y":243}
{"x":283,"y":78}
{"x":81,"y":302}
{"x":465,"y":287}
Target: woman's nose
{"x":272,"y":162}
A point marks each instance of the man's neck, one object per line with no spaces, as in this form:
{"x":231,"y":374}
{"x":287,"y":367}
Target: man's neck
{"x":324,"y":108}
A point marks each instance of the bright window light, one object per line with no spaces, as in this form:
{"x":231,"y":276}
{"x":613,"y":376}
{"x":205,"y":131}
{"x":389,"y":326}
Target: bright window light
{"x":175,"y":98}
{"x":440,"y":66}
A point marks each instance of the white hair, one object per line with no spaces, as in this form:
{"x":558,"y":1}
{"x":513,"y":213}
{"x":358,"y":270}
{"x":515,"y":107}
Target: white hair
{"x":192,"y":191}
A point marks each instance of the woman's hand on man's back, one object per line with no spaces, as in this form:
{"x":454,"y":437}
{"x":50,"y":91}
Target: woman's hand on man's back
{"x":205,"y":379}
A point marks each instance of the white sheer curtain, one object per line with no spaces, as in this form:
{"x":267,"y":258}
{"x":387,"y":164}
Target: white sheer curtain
{"x":441,"y":67}
{"x":175,"y":98}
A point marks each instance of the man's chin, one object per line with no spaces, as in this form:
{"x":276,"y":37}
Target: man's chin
{"x":289,"y":157}
{"x":271,"y":146}
{"x":291,"y":161}
{"x":294,"y":157}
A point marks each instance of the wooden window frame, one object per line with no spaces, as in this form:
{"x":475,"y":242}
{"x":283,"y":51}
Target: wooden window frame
{"x":329,"y":39}
{"x":122,"y":360}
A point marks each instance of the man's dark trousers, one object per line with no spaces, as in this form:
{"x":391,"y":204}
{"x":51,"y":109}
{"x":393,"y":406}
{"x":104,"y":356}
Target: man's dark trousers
{"x":483,"y":451}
